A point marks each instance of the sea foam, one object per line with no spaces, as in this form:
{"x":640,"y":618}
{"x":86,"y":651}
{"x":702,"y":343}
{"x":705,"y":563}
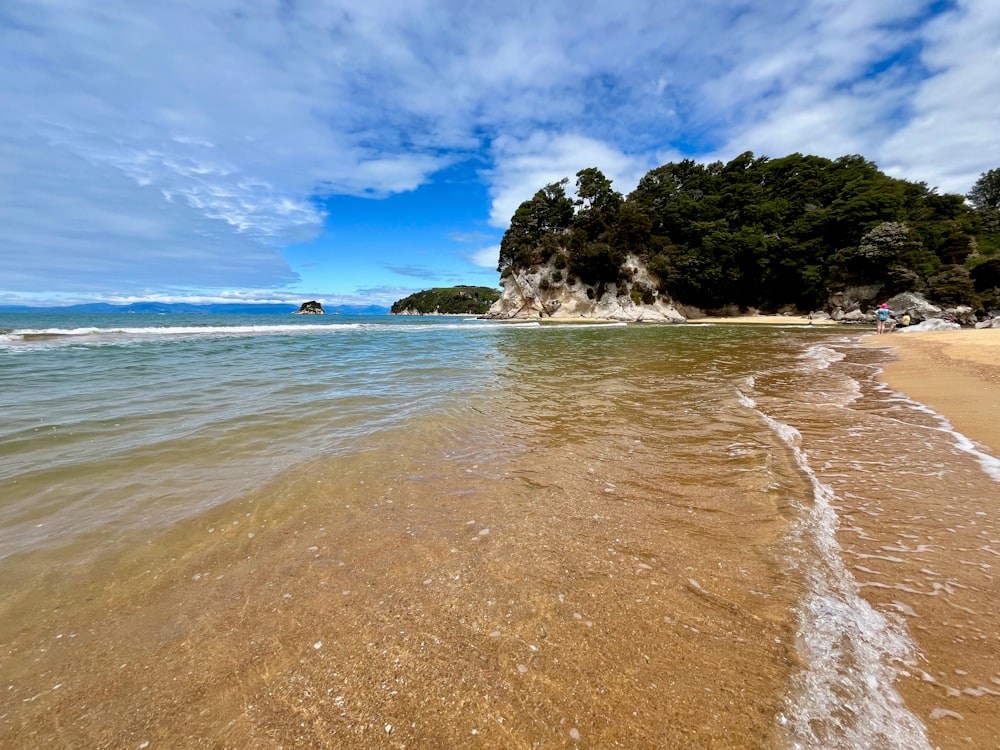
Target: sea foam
{"x":844,"y":697}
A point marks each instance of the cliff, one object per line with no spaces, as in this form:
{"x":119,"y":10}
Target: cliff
{"x":545,"y":292}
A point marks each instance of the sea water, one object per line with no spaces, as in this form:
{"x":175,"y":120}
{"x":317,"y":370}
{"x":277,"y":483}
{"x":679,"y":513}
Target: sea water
{"x":425,"y":532}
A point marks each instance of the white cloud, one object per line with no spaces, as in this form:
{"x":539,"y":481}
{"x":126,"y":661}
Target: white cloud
{"x":183,"y":143}
{"x":102,"y":232}
{"x":487,"y":257}
{"x":951,"y":137}
{"x":524,"y":166}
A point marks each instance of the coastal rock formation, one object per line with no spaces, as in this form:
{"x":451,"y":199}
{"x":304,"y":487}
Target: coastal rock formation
{"x":914,"y":305}
{"x":545,"y":292}
{"x":312,"y":307}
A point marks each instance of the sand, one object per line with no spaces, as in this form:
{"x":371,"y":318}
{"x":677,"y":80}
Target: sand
{"x":956,"y":373}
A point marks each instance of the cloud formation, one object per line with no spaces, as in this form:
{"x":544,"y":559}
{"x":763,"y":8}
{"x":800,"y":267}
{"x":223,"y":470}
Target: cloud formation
{"x":181,"y":145}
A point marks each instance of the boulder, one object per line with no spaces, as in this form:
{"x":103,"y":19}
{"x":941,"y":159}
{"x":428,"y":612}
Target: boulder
{"x":914,"y":305}
{"x":851,"y":299}
{"x":963,"y":315}
{"x":991,"y":323}
{"x":933,"y":324}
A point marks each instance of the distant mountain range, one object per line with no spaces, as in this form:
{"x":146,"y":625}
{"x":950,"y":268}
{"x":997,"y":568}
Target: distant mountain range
{"x":160,"y":308}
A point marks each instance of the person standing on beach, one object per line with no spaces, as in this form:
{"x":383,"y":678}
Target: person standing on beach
{"x":881,"y":315}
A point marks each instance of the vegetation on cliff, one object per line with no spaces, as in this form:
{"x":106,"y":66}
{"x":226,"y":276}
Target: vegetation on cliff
{"x":456,"y":300}
{"x":766,"y":233}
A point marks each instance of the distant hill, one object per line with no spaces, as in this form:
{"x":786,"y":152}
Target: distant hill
{"x":455,"y":300}
{"x":161,"y":308}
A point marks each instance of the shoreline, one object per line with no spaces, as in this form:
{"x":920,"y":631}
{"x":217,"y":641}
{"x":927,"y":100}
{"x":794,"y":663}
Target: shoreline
{"x":797,"y":320}
{"x":803,"y":320}
{"x":956,"y":373}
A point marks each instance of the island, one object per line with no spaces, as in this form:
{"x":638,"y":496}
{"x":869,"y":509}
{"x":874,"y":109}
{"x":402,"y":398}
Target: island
{"x":455,"y":300}
{"x":312,"y":307}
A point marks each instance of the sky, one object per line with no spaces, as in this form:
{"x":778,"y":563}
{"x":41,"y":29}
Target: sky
{"x":357,"y":152}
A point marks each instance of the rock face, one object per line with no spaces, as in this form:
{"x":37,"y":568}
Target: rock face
{"x":312,"y":307}
{"x":544,"y":292}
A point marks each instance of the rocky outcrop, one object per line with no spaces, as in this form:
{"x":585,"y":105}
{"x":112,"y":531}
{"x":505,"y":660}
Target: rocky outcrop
{"x":914,"y":305}
{"x":545,"y":292}
{"x":312,"y":307}
{"x":849,"y":305}
{"x":857,"y":305}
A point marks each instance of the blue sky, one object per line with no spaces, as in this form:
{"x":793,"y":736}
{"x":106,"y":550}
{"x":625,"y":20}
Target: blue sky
{"x":281,"y":150}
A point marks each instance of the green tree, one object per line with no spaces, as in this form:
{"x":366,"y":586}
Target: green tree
{"x":985,"y":193}
{"x":549,"y":210}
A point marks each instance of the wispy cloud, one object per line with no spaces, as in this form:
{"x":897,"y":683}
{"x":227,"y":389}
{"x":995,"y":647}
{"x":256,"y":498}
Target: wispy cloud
{"x":417,"y":272}
{"x":181,"y":145}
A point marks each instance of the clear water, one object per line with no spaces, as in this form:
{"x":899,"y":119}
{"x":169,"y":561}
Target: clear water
{"x":726,"y":514}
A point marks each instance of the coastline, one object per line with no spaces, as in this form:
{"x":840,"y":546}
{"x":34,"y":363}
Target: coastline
{"x":953,"y":372}
{"x":774,"y":320}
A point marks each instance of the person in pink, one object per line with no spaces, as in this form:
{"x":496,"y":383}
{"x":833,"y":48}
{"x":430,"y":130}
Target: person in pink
{"x":881,"y":316}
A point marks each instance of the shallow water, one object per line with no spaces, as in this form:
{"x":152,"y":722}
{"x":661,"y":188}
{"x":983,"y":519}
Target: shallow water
{"x":245,"y":532}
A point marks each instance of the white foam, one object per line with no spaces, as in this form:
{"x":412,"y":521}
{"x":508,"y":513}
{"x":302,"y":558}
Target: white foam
{"x":820,"y":357}
{"x":988,"y":463}
{"x":844,"y":699}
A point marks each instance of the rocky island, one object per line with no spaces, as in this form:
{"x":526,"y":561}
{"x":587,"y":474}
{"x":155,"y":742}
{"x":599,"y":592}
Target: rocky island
{"x":312,"y":307}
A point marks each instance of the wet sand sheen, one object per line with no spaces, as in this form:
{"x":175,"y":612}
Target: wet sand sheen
{"x":581,"y":593}
{"x":928,"y":548}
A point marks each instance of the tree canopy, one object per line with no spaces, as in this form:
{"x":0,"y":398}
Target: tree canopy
{"x":986,"y":192}
{"x":762,"y":232}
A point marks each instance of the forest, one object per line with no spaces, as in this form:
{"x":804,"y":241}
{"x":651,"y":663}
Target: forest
{"x":767,"y":233}
{"x":456,"y":300}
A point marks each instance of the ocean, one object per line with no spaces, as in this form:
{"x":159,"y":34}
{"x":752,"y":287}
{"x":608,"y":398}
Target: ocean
{"x":293,"y":531}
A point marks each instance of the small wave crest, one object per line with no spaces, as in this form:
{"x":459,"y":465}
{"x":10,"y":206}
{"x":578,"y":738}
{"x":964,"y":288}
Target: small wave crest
{"x":820,"y":357}
{"x":123,"y":334}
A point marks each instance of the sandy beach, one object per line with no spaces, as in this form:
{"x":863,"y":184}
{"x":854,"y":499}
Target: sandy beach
{"x":953,"y":614}
{"x":957,"y":373}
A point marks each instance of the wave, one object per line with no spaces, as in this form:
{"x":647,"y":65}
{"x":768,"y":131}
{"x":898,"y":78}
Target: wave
{"x":988,"y":463}
{"x":42,"y":337}
{"x":844,"y":698}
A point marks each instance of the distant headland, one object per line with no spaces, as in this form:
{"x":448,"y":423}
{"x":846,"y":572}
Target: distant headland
{"x":455,"y":300}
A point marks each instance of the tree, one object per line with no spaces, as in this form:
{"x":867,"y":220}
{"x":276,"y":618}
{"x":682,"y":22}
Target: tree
{"x":985,"y":194}
{"x":594,"y":191}
{"x":549,"y":210}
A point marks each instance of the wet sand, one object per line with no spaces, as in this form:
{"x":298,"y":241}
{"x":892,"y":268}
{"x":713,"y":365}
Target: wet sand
{"x":957,"y":373}
{"x":938,"y":574}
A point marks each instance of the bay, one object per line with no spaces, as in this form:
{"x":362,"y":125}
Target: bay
{"x":251,"y":531}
